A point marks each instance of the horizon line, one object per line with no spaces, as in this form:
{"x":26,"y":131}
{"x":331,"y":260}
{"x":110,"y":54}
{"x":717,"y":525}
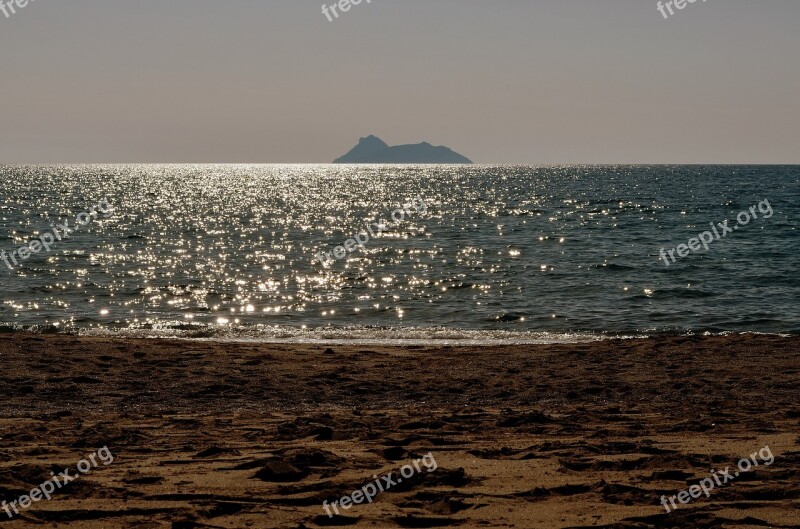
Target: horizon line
{"x":489,"y":164}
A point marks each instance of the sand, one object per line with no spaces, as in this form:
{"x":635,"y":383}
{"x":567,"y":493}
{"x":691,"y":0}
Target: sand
{"x":222,"y":435}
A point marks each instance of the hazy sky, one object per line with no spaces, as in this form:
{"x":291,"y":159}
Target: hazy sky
{"x":500,"y":81}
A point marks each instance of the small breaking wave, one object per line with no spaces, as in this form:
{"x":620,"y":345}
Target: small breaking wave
{"x":344,"y":335}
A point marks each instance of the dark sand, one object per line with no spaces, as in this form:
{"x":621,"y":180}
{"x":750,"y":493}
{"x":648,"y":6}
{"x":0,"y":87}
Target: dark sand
{"x":245,"y":435}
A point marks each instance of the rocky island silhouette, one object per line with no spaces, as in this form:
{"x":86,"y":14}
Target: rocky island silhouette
{"x":374,"y":150}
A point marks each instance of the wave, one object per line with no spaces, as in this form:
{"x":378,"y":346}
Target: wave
{"x":356,"y":334}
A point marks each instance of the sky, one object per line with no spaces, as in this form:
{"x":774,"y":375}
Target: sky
{"x":499,"y":81}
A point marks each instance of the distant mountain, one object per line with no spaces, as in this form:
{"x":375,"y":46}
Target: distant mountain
{"x":374,"y":150}
{"x":366,"y":148}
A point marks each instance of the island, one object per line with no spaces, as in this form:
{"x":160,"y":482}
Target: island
{"x":374,"y":150}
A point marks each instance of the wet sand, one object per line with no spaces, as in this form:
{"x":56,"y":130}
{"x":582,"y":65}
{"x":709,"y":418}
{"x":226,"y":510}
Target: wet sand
{"x":219,"y":435}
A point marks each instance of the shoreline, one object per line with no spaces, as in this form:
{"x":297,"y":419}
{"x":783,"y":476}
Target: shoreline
{"x":386,"y":337}
{"x":224,"y":434}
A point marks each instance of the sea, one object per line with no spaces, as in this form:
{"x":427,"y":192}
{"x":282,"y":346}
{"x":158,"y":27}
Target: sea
{"x":499,"y":254}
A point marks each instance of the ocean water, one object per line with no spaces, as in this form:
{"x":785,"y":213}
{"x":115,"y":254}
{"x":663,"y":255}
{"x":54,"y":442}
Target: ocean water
{"x":499,"y":253}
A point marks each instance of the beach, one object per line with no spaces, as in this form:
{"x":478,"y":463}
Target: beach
{"x":211,"y":434}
